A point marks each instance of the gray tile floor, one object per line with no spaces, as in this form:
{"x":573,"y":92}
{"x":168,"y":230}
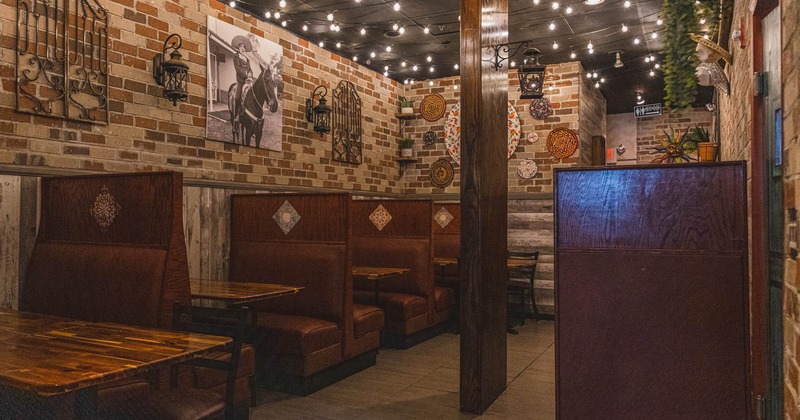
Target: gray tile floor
{"x":422,"y":383}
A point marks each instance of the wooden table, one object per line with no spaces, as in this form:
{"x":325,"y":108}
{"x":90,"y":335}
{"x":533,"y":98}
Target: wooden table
{"x":377,"y":274}
{"x":47,"y":355}
{"x":238,"y":293}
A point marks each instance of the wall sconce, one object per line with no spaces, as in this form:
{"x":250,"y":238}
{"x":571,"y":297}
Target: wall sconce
{"x":173,"y":73}
{"x":531,"y":75}
{"x":320,"y":114}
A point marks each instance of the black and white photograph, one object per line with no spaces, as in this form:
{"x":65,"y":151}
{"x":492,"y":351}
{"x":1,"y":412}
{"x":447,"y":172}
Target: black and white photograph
{"x":245,"y":87}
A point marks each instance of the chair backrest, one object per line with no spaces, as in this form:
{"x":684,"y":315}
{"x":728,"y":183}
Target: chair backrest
{"x":526,"y":270}
{"x":110,"y":248}
{"x":215,"y":321}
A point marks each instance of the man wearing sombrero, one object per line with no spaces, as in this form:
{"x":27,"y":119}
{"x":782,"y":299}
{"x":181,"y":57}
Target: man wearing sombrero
{"x":243,"y":71}
{"x":709,"y":73}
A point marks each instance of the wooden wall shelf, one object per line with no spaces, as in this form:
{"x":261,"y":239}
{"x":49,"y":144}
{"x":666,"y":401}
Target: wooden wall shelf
{"x":404,"y":162}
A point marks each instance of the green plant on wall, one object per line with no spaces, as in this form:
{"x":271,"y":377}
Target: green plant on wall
{"x":680,"y":82}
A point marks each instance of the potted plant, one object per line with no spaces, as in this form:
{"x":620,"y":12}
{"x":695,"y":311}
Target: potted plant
{"x":406,"y":106}
{"x":706,"y":149}
{"x":406,"y":147}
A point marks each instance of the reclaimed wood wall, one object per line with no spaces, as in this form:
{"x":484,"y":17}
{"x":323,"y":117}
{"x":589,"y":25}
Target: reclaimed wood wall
{"x":18,"y":218}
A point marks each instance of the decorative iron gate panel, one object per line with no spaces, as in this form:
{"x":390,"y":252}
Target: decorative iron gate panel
{"x":62,"y":59}
{"x":346,"y":136}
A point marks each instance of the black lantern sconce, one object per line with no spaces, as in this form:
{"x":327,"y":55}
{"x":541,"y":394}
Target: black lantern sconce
{"x":319,"y":114}
{"x":173,"y":73}
{"x":531,"y":75}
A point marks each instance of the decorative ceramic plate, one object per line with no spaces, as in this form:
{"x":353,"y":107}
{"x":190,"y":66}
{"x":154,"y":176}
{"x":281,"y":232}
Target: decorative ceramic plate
{"x":527,"y":168}
{"x":432,"y":107}
{"x":533,"y":137}
{"x":441,"y":173}
{"x":452,"y":131}
{"x":429,"y":137}
{"x":562,"y":142}
{"x":540,"y":108}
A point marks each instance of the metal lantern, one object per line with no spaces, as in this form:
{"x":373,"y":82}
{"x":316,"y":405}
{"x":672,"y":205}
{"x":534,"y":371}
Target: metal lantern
{"x":531,"y":75}
{"x":173,"y":73}
{"x":320,"y":114}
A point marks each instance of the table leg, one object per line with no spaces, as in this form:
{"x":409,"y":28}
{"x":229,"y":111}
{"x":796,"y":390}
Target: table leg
{"x":377,"y":292}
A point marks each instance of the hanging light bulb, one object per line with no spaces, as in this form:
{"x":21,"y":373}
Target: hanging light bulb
{"x":277,"y":15}
{"x":355,"y":58}
{"x":652,"y":73}
{"x":555,"y":45}
{"x":659,"y":22}
{"x":455,"y":66}
{"x":267,"y":14}
{"x":658,"y":66}
{"x":402,"y":30}
{"x":403,"y":64}
{"x":652,"y":57}
{"x":555,"y":5}
{"x":597,"y":84}
{"x":636,"y":41}
{"x":624,"y":28}
{"x":602,"y":80}
{"x":594,"y":75}
{"x":429,"y":58}
{"x":386,"y":68}
{"x":385,"y":73}
{"x":363,"y":31}
{"x":431,"y":69}
{"x":405,"y":82}
{"x":654,"y":35}
{"x":330,"y":17}
{"x":321,"y":44}
{"x":232,"y":3}
{"x":703,"y":21}
{"x":305,"y":28}
{"x":591,"y":50}
{"x":552,"y":26}
{"x":647,"y":59}
{"x":283,"y":23}
{"x":388,"y":48}
{"x":589,"y":75}
{"x":512,"y":63}
{"x":627,"y":4}
{"x":372,"y":54}
{"x":568,"y":10}
{"x":282,"y":3}
{"x":590,"y":45}
{"x":332,"y":27}
{"x":455,"y":87}
{"x":536,"y":2}
{"x":338,"y":45}
{"x":395,"y":27}
{"x":426,"y":30}
{"x":396,"y":7}
{"x":415,"y":68}
{"x":573,"y":55}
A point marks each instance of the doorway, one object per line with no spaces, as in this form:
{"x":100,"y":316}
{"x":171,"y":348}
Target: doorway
{"x":773,"y":161}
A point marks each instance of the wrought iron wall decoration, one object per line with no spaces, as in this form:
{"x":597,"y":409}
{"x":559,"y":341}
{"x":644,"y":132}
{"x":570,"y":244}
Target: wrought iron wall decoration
{"x":500,"y":53}
{"x":346,"y":123}
{"x":62,"y":59}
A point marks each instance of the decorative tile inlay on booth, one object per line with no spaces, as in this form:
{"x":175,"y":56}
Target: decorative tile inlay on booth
{"x":286,"y":217}
{"x":443,"y":217}
{"x":380,"y":217}
{"x":105,"y":209}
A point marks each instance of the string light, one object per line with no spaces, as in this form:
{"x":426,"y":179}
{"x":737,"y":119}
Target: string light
{"x":372,"y":54}
{"x":232,"y":3}
{"x":388,"y":48}
{"x":569,"y":10}
{"x":321,"y":44}
{"x":652,"y":73}
{"x":624,"y":28}
{"x":415,"y":68}
{"x":591,"y":50}
{"x":597,"y":84}
{"x":573,"y":55}
{"x":267,"y":15}
{"x":277,"y":15}
{"x":659,"y":22}
{"x":536,"y":2}
{"x":658,"y":66}
{"x":396,"y":7}
{"x":402,"y":30}
{"x":282,"y":3}
{"x":386,"y":73}
{"x":602,"y":80}
{"x":386,"y":68}
{"x":627,"y":4}
{"x":395,"y":27}
{"x":405,"y":82}
{"x":654,"y":35}
{"x":305,"y":28}
{"x":594,"y":75}
{"x":555,"y":5}
{"x":703,"y":21}
{"x":589,"y":75}
{"x":429,"y":58}
{"x":430,"y":83}
{"x":590,"y":45}
{"x":455,"y":87}
{"x":636,"y":41}
{"x":283,"y":23}
{"x":431,"y":69}
{"x":647,"y":59}
{"x":363,"y":31}
{"x":512,"y":63}
{"x":355,"y":58}
{"x":455,"y":66}
{"x":426,"y":30}
{"x":552,"y":26}
{"x":330,"y":17}
{"x":403,"y":64}
{"x":555,"y":45}
{"x":338,"y":45}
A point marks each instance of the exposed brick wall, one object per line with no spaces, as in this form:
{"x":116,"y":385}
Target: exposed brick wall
{"x":591,"y":117}
{"x":650,"y":130}
{"x":562,"y":88}
{"x":147,"y":133}
{"x":790,"y":69}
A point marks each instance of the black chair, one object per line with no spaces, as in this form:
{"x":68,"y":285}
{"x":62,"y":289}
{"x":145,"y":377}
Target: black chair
{"x":522,"y":281}
{"x":189,"y":403}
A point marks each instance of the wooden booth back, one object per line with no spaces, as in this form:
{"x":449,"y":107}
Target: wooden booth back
{"x":447,"y":235}
{"x":298,"y":240}
{"x":651,"y":292}
{"x":395,"y":233}
{"x":110,"y":248}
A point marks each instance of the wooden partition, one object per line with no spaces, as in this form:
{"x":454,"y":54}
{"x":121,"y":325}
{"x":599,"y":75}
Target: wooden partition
{"x":651,"y":292}
{"x":110,"y":248}
{"x":398,"y":233}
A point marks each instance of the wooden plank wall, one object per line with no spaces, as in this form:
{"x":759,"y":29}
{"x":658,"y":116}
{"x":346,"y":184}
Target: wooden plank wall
{"x":18,"y":219}
{"x":530,"y":228}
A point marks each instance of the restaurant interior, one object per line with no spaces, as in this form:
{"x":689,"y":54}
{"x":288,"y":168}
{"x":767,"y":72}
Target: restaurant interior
{"x":398,"y":209}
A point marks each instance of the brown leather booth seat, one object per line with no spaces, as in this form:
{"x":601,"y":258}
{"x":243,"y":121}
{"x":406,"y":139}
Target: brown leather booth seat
{"x":311,"y":339}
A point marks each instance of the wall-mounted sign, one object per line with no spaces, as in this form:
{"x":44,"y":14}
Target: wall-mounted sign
{"x":646,"y":110}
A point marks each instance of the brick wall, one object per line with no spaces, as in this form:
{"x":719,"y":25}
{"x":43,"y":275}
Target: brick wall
{"x":790,"y":69}
{"x":147,"y":133}
{"x":562,"y":88}
{"x":650,"y":130}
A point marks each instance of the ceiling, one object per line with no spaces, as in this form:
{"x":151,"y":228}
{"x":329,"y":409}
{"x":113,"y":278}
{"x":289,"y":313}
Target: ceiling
{"x":539,"y":24}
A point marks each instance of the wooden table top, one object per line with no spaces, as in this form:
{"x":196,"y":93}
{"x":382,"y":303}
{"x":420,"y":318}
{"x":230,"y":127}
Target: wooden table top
{"x":510,"y":263}
{"x":377,"y":273}
{"x":52,"y":355}
{"x":238,"y":292}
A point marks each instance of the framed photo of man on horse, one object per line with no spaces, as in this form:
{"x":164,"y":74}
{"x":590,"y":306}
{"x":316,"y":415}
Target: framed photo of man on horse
{"x":245,"y":87}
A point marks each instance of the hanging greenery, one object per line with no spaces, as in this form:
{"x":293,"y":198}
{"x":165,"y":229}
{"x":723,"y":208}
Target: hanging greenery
{"x":710,"y":11}
{"x":680,"y":82}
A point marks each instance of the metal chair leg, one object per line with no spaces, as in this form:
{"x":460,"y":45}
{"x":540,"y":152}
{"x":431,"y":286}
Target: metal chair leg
{"x":533,"y":302}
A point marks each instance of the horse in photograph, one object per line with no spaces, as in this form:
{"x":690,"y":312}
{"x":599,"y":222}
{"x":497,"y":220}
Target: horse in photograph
{"x":255,"y":96}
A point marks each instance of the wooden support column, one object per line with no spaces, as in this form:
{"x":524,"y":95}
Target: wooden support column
{"x":484,"y":204}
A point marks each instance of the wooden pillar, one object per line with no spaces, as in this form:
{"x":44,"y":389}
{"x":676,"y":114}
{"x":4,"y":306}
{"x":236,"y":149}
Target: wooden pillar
{"x":484,"y":204}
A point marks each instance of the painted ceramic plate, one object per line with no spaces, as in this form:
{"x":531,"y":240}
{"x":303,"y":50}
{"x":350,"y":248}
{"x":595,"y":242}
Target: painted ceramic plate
{"x":441,"y":173}
{"x":562,"y":143}
{"x":432,"y":107}
{"x":527,"y":168}
{"x":540,"y":108}
{"x":452,"y":130}
{"x":429,"y":137}
{"x":533,"y":137}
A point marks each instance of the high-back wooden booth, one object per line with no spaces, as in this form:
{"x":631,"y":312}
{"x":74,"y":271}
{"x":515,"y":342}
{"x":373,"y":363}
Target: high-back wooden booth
{"x":311,"y":339}
{"x":398,"y":233}
{"x":652,"y":292}
{"x":447,"y":240}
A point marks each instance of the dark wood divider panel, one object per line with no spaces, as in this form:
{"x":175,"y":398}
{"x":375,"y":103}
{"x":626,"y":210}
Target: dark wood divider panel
{"x":651,"y":292}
